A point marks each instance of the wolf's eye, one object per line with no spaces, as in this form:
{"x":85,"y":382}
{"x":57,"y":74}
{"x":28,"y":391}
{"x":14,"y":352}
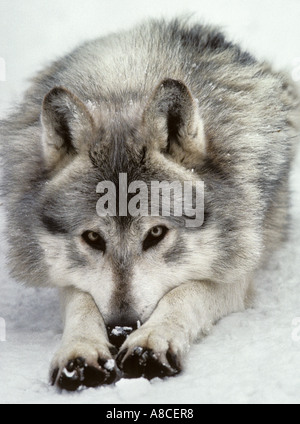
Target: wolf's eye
{"x":155,"y":236}
{"x":94,"y":240}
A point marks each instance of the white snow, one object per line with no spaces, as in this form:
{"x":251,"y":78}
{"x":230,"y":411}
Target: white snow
{"x":250,"y":357}
{"x":121,"y":331}
{"x":110,"y":364}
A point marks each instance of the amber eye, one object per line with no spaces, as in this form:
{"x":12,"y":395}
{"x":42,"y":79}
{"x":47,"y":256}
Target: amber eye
{"x":155,"y":236}
{"x":94,"y":240}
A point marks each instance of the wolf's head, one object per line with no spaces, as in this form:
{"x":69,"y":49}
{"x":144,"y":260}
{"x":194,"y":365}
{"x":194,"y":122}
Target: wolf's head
{"x":126,"y":262}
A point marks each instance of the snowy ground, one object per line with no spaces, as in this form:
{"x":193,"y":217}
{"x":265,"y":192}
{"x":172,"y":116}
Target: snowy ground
{"x":250,"y":357}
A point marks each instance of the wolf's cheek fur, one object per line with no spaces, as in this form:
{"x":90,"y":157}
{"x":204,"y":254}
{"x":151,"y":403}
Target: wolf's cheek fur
{"x":85,"y":272}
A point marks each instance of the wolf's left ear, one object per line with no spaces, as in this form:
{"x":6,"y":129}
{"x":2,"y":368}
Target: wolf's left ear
{"x":173,"y":123}
{"x":67,"y":126}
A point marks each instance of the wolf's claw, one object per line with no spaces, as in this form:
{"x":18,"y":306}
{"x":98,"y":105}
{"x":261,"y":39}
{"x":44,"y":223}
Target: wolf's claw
{"x":146,"y":363}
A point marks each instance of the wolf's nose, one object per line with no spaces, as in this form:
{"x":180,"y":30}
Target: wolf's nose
{"x":118,"y":334}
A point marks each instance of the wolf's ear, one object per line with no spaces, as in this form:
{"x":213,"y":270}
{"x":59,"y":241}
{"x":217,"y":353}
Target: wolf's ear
{"x":173,"y":124}
{"x":67,"y":126}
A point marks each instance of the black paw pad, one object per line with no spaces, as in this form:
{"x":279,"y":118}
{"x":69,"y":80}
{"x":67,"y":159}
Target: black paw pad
{"x":78,"y":373}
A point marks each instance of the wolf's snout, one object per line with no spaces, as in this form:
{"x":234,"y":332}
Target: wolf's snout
{"x":117,"y":334}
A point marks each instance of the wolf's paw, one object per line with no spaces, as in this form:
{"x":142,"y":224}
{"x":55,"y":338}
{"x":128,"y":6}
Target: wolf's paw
{"x":146,"y":363}
{"x":148,"y":353}
{"x":69,"y":372}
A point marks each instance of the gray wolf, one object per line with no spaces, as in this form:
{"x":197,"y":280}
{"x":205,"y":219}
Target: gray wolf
{"x":165,"y":101}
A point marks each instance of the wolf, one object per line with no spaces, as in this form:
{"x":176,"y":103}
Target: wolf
{"x":164,"y":101}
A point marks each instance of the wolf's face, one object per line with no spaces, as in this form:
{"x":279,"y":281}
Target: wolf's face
{"x":127,"y":263}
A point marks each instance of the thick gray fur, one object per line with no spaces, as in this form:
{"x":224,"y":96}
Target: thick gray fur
{"x":153,"y":102}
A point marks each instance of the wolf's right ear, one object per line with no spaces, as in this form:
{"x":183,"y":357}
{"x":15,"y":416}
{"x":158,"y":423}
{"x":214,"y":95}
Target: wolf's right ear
{"x":67,"y":126}
{"x":173,"y":123}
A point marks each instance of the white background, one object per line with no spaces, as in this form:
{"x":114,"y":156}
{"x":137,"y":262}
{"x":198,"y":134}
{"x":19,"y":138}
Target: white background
{"x":249,"y":357}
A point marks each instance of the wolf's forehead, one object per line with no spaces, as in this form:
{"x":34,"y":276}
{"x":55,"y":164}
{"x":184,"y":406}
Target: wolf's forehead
{"x":118,"y":114}
{"x":117,"y":149}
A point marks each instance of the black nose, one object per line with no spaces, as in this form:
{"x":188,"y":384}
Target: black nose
{"x":119,"y":331}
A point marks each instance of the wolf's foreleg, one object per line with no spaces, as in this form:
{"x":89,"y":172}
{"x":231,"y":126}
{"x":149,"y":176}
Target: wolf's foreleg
{"x":186,"y":313}
{"x":84,"y":358}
